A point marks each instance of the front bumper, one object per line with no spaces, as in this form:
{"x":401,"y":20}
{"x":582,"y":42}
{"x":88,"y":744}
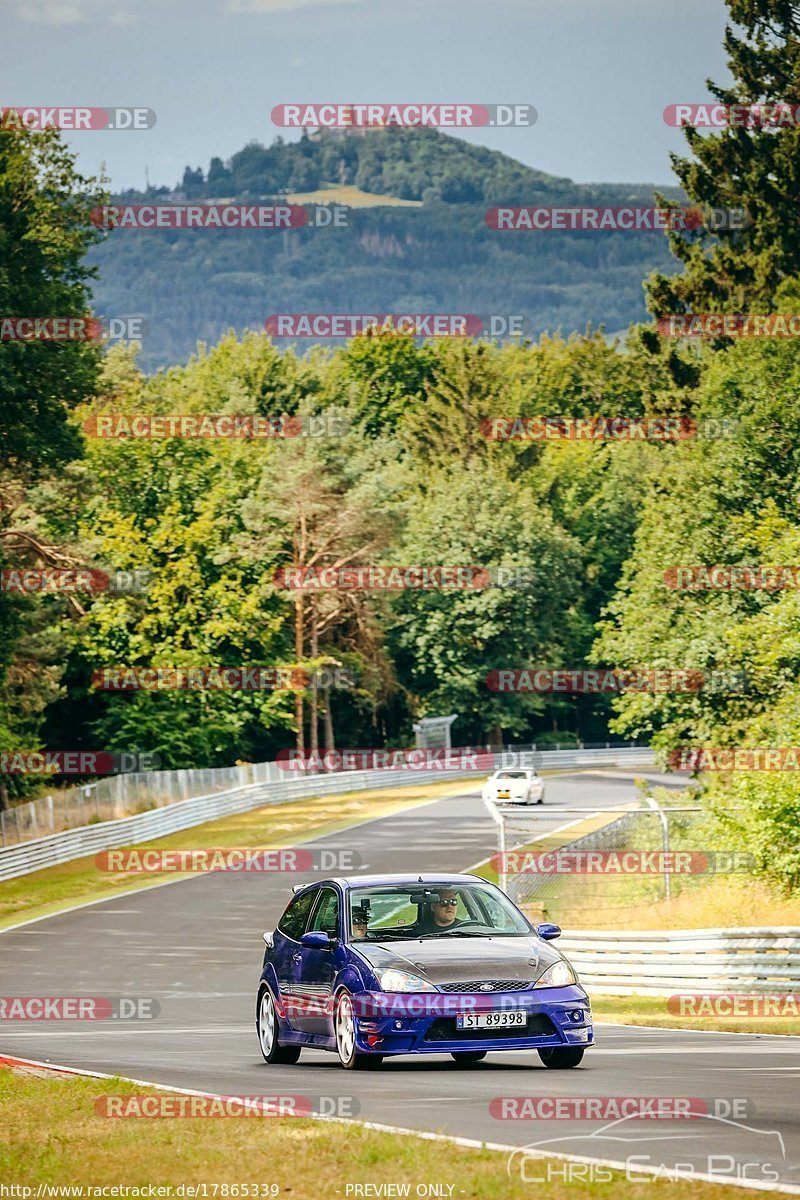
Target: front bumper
{"x":425,"y":1022}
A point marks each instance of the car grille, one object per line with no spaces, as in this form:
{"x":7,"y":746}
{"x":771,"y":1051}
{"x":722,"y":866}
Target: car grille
{"x":477,"y":985}
{"x":443,"y":1029}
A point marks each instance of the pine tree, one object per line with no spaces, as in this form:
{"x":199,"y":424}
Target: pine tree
{"x":756,"y":168}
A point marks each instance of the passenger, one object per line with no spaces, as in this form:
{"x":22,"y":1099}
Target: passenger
{"x":359,"y":924}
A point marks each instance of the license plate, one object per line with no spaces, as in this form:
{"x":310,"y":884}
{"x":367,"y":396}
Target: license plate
{"x":492,"y":1020}
{"x":503,"y":795}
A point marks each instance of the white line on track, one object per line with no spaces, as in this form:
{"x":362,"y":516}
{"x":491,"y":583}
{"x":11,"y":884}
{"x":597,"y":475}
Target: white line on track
{"x":165,"y":1030}
{"x":711,"y":1032}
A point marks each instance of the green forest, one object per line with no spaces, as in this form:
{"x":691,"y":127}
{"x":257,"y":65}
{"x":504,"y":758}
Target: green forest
{"x":403,"y":473}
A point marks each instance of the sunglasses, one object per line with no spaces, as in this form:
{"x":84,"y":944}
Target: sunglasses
{"x":446,"y":903}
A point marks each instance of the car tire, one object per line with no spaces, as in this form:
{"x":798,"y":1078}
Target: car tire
{"x":268,"y":1030}
{"x":344,"y":1028}
{"x":464,"y":1058}
{"x":561,"y":1058}
{"x":541,"y":798}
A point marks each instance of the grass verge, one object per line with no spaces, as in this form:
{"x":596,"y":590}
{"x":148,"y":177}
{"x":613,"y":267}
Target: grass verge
{"x":652,"y":1010}
{"x":722,"y":901}
{"x":55,"y":1136}
{"x":43,"y":893}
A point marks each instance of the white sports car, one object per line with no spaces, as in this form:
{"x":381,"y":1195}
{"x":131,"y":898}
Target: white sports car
{"x":514,"y":786}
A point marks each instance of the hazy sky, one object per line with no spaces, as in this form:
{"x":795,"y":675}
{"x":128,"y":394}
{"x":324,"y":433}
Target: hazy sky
{"x":599,"y":72}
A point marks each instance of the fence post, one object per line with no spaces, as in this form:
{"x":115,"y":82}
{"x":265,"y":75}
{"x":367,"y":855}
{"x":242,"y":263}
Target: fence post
{"x":51,"y":814}
{"x":501,"y":843}
{"x":662,"y":816}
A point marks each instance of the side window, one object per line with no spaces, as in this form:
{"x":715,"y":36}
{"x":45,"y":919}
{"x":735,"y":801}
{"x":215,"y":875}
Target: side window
{"x":498,"y":918}
{"x":293,"y":921}
{"x":326,"y":914}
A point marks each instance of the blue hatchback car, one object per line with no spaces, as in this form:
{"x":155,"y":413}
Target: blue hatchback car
{"x":379,"y":965}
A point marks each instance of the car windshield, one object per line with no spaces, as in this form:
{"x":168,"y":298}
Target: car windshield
{"x":511,"y":775}
{"x":419,"y":911}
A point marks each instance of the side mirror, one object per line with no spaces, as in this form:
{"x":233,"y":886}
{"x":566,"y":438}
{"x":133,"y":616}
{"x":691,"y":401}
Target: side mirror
{"x":267,"y":936}
{"x":547,"y":932}
{"x":316,"y":940}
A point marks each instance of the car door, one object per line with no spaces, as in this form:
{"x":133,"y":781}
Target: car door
{"x":286,"y":956}
{"x":315,"y":983}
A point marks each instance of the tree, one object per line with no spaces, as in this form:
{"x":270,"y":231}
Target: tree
{"x":446,"y":641}
{"x":755,"y":169}
{"x":45,"y":233}
{"x":389,"y":373}
{"x":325,"y":503}
{"x":219,"y":178}
{"x":193,"y":183}
{"x":729,"y":501}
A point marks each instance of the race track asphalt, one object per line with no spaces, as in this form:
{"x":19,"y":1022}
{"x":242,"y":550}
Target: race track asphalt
{"x":195,"y":946}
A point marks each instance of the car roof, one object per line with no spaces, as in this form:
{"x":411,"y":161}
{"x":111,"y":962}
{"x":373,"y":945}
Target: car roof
{"x":426,"y":877}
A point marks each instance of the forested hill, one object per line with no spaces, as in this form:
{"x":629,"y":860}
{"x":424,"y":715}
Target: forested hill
{"x":416,"y":239}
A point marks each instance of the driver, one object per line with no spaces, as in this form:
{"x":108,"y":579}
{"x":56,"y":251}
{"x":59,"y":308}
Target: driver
{"x":442,"y":912}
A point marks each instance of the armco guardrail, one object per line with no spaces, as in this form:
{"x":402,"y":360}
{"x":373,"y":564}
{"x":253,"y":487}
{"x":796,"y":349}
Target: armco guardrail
{"x":662,"y":962}
{"x":128,"y":793}
{"x":108,"y":835}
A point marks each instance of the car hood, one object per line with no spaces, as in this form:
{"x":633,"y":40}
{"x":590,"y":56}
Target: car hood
{"x":459,"y":960}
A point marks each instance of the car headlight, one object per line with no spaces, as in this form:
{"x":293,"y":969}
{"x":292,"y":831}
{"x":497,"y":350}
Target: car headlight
{"x":560,"y":974}
{"x":403,"y":981}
